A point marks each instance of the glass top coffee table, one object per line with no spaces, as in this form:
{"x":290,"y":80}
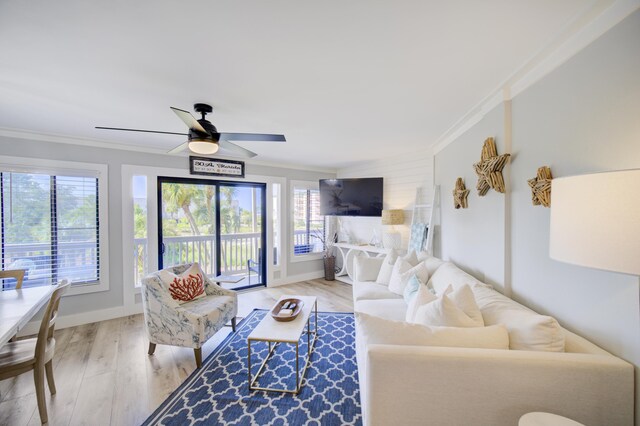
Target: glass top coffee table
{"x":274,"y":332}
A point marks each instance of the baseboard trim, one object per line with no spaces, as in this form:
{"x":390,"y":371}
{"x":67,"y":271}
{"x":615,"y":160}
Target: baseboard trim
{"x":82,"y":318}
{"x":296,"y":278}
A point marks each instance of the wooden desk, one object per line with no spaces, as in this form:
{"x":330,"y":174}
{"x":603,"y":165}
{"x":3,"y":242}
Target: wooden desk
{"x":17,"y":307}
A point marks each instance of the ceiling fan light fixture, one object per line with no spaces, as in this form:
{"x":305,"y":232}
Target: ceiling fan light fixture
{"x":203,"y":147}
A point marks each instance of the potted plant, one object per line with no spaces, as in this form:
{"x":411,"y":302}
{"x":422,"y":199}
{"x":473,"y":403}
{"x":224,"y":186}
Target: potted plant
{"x":328,"y":241}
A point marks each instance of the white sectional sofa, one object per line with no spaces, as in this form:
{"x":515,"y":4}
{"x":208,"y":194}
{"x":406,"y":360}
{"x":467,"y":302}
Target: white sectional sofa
{"x":414,"y":384}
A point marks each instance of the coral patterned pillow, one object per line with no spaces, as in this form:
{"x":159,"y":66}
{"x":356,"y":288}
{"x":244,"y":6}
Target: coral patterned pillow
{"x":186,"y":286}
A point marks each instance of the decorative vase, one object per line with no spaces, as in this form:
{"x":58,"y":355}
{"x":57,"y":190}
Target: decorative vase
{"x":330,"y":268}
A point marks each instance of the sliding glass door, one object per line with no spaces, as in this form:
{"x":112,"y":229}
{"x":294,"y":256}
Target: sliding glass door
{"x":218,"y":224}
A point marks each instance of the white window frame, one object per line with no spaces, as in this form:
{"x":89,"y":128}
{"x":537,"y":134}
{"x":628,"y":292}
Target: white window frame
{"x":128,"y":171}
{"x":299,"y":184}
{"x":73,"y":168}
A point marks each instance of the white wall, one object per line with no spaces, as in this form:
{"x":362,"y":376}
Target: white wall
{"x":96,"y":306}
{"x":473,"y":237}
{"x":583,"y":117}
{"x":403,"y":175}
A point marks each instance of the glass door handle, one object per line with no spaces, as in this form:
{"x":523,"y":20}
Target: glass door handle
{"x":162,"y":247}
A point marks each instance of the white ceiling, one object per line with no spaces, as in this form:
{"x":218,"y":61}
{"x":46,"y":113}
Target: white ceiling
{"x":345,"y":81}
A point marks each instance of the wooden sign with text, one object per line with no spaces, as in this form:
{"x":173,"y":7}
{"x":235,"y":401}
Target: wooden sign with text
{"x":215,"y":167}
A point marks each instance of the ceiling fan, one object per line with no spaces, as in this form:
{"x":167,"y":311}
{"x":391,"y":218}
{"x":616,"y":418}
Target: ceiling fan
{"x":203,"y":137}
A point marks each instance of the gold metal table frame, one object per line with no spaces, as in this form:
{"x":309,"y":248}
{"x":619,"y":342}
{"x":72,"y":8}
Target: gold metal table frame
{"x":272,"y":346}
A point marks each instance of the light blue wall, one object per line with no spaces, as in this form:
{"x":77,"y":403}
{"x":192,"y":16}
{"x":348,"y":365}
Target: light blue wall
{"x":115,"y":159}
{"x":583,"y":117}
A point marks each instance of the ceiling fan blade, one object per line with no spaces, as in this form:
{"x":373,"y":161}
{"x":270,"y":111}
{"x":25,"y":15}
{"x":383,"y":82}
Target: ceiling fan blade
{"x":188,"y":119}
{"x":234,"y":149}
{"x":251,"y":137}
{"x":139,"y":130}
{"x":179,"y":148}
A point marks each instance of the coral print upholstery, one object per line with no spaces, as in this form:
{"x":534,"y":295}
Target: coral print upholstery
{"x":172,"y":320}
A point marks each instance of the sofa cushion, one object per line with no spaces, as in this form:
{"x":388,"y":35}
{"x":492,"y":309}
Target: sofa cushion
{"x":367,"y":268}
{"x":411,"y":289}
{"x":465,"y":300}
{"x":392,"y":309}
{"x":444,"y":313}
{"x":375,"y":330}
{"x":367,"y":290}
{"x":387,"y":267}
{"x":398,"y":283}
{"x":448,"y":273}
{"x":422,"y":297}
{"x":411,"y":258}
{"x":528,"y":330}
{"x":400,"y":267}
{"x":432,"y":263}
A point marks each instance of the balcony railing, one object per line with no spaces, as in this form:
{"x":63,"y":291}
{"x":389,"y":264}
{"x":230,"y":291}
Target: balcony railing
{"x":79,"y":260}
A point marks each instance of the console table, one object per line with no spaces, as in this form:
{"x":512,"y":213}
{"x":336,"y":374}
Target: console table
{"x":349,"y":251}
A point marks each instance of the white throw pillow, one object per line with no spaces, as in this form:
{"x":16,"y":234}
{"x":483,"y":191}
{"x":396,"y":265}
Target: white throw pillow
{"x":374,"y":330}
{"x":395,"y":282}
{"x":411,"y":258}
{"x":399,"y":281}
{"x":367,"y":267}
{"x":465,"y":300}
{"x":186,"y":286}
{"x":444,"y":313}
{"x":448,"y":273}
{"x":422,"y":297}
{"x":387,"y":267}
{"x":432,"y":263}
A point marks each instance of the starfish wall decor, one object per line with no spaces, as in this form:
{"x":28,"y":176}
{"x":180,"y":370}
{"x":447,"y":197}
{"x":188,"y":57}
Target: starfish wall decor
{"x":489,"y":168}
{"x":460,"y":194}
{"x":541,"y":187}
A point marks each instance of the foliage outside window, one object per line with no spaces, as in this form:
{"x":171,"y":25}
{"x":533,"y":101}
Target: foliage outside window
{"x":308,"y":224}
{"x":140,"y":246}
{"x":50,"y":227}
{"x":189,"y":222}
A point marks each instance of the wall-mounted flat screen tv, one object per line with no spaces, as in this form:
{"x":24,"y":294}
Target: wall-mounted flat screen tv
{"x":351,"y":197}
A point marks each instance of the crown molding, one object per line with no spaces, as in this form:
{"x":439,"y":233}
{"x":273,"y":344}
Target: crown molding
{"x":74,"y":140}
{"x":585,"y":28}
{"x":97,"y":143}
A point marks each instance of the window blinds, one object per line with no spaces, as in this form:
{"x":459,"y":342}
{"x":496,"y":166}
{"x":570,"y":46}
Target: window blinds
{"x":50,"y":227}
{"x":308,"y":224}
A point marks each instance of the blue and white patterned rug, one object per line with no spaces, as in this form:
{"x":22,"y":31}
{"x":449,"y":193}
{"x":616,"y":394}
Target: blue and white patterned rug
{"x":218,"y":392}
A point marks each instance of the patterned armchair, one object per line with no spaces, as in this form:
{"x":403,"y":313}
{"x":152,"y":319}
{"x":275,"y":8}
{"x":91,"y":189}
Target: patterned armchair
{"x":189,"y":324}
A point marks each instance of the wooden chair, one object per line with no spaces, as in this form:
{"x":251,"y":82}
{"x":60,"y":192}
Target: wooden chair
{"x":35,"y":354}
{"x":18,"y":274}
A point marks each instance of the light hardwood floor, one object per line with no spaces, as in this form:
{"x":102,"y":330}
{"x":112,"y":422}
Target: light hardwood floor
{"x":105,"y":377}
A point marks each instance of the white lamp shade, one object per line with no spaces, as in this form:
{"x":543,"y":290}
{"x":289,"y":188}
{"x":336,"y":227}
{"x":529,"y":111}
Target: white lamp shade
{"x":595,"y":221}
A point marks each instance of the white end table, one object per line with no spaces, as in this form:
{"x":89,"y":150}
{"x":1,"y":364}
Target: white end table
{"x":546,"y":419}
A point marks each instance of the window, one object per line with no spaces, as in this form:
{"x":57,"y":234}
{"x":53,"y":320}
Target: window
{"x":275,"y":201}
{"x":308,"y":225}
{"x":50,"y":227}
{"x":140,"y":240}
